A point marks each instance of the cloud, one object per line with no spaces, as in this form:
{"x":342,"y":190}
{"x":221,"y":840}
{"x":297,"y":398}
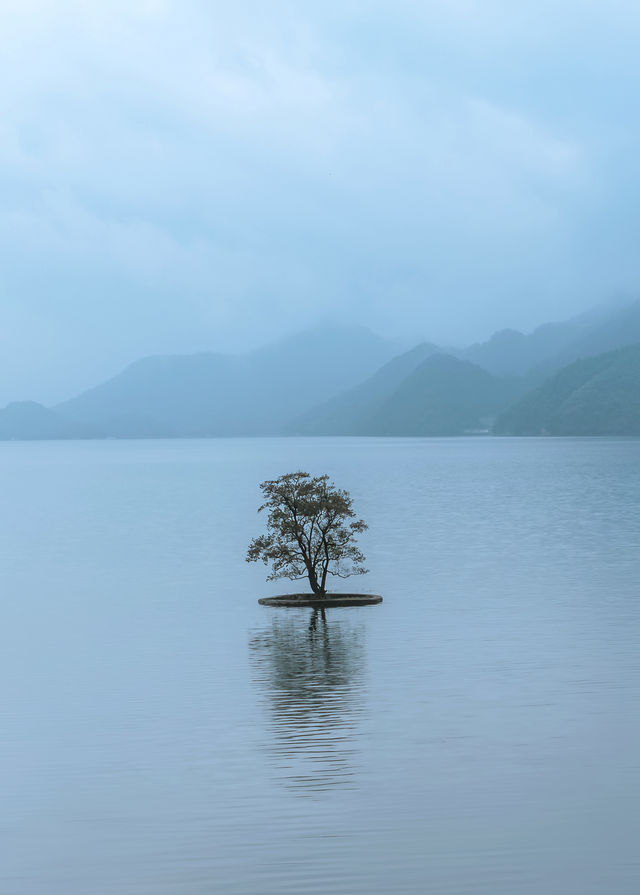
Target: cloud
{"x":183,"y":175}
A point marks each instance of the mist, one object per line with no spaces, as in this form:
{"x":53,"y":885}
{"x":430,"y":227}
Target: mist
{"x":180,"y":177}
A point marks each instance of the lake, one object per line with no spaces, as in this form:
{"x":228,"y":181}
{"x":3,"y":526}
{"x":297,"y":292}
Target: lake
{"x":478,"y":732}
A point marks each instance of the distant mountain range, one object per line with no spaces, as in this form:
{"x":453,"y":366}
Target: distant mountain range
{"x":422,"y":392}
{"x":210,"y":394}
{"x":592,"y":396}
{"x":27,"y":420}
{"x":428,"y":391}
{"x":442,"y":396}
{"x":579,"y":376}
{"x":348,"y":413}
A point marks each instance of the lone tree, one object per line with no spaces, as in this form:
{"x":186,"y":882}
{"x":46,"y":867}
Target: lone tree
{"x":311,"y":531}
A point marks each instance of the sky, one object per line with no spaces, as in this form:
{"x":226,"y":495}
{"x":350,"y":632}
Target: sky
{"x":188,"y":175}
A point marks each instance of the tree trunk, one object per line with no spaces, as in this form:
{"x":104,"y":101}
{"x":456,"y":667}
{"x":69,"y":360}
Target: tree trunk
{"x":317,"y":588}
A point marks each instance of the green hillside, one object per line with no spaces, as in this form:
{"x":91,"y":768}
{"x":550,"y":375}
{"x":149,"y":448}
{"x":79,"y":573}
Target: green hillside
{"x":346,"y":413}
{"x":442,"y":396}
{"x":592,"y":396}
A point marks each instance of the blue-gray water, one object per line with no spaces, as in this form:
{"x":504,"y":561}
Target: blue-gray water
{"x":478,"y":732}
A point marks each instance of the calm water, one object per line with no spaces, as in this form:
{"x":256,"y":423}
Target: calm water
{"x":478,"y":732}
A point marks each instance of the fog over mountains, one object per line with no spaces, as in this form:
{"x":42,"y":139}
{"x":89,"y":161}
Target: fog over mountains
{"x":348,"y":381}
{"x":597,"y":395}
{"x":210,"y":394}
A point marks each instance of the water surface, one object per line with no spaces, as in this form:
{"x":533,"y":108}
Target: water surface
{"x":477,"y":732}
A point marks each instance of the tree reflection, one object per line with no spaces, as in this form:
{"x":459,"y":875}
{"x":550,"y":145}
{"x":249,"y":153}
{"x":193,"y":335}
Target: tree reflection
{"x":311,"y":674}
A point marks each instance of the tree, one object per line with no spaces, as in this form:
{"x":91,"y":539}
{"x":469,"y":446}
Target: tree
{"x":311,"y":531}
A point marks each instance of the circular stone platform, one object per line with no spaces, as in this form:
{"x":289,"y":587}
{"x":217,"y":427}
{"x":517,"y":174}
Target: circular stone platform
{"x":321,"y":602}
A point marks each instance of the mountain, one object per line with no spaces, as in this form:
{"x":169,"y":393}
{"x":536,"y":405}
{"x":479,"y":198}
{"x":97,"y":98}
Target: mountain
{"x":550,"y":347}
{"x":210,"y":394}
{"x":441,"y":396}
{"x":26,"y":420}
{"x":609,"y":328}
{"x":345,"y":413}
{"x":512,"y":353}
{"x":332,"y":381}
{"x":160,"y":396}
{"x":592,"y":396}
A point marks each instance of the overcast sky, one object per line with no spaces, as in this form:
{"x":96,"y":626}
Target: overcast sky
{"x":178,"y":175}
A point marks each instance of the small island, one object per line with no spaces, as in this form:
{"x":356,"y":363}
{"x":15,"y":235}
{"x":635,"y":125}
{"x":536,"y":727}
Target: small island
{"x":311,"y":534}
{"x":324,"y":602}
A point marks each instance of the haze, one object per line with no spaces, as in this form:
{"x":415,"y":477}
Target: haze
{"x":180,"y":176}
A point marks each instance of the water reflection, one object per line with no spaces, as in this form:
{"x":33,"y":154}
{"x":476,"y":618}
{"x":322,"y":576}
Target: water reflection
{"x":311,"y":674}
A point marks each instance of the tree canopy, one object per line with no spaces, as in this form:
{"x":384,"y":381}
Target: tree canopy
{"x":311,"y":531}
